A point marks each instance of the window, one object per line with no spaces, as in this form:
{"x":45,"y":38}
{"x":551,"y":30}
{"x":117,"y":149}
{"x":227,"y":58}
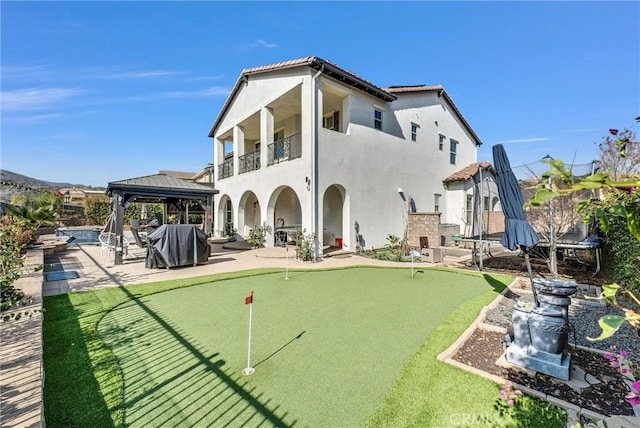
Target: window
{"x":278,"y":135}
{"x":454,"y":151}
{"x":377,"y":119}
{"x":469,"y":209}
{"x":332,"y":121}
{"x":414,"y":131}
{"x":487,"y":203}
{"x":441,"y":141}
{"x":436,"y":202}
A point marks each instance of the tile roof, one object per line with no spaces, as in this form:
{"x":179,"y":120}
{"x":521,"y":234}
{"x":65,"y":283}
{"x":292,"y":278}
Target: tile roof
{"x":343,"y":75}
{"x":316,"y":63}
{"x":413,"y":88}
{"x":468,"y":171}
{"x":441,"y":93}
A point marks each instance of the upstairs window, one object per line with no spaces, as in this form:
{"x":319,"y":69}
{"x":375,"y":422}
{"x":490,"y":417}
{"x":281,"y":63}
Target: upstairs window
{"x":441,"y":139}
{"x":377,"y":119}
{"x":332,"y":121}
{"x":454,"y":152}
{"x":414,"y":131}
{"x":436,"y":202}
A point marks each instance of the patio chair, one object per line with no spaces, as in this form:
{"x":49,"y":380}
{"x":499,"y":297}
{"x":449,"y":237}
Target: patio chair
{"x":108,"y":242}
{"x":142,"y":243}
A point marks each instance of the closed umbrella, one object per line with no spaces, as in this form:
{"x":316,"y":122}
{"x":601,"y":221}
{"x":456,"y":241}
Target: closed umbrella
{"x":518,"y":233}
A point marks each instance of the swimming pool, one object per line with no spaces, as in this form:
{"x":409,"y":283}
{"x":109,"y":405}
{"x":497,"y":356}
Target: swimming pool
{"x":82,"y":235}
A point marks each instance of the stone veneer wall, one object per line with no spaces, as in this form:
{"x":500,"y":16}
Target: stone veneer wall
{"x":424,"y":224}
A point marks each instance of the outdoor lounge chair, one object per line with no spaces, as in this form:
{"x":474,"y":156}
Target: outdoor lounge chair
{"x":136,"y":236}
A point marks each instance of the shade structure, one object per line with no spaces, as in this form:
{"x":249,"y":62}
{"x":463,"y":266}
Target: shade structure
{"x":518,"y":233}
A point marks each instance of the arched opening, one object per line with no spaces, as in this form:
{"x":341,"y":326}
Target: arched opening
{"x":334,"y":221}
{"x":286,"y":213}
{"x":248,"y":213}
{"x":224,"y":221}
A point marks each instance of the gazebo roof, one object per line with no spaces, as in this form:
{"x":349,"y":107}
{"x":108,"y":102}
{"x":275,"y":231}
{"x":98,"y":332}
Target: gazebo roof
{"x":159,"y":187}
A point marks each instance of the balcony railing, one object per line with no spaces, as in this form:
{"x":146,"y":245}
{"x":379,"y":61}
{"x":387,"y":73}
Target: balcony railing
{"x":284,"y":150}
{"x":249,"y":162}
{"x":225,"y":169}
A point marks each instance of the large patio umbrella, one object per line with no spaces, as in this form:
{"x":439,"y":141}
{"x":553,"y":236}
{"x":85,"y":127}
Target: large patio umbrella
{"x":518,"y":233}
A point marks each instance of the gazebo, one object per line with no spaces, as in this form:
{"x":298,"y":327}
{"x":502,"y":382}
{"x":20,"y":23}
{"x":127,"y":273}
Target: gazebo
{"x":158,"y":188}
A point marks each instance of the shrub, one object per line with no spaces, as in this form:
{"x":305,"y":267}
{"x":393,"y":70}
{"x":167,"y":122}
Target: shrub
{"x":621,"y":252}
{"x":305,"y":245}
{"x":258,"y":235}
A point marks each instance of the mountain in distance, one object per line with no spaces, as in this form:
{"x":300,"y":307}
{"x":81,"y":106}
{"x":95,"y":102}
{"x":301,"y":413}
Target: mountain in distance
{"x":24,"y":183}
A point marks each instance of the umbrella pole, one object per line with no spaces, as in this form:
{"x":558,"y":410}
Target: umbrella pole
{"x":528,"y":263}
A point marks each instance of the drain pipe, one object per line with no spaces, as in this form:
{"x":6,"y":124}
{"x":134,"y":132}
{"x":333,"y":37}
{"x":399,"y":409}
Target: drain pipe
{"x":314,"y":167}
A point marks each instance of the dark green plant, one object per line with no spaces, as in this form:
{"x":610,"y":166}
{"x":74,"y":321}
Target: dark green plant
{"x":621,"y":252}
{"x":528,"y":411}
{"x":230,"y":231}
{"x":11,"y":266}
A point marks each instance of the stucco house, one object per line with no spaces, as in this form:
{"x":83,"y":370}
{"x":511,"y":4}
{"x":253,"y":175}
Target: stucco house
{"x":306,"y":144}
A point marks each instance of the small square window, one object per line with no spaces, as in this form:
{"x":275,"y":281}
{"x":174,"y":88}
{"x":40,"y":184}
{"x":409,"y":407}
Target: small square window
{"x":441,"y":139}
{"x":414,"y":131}
{"x":377,"y":119}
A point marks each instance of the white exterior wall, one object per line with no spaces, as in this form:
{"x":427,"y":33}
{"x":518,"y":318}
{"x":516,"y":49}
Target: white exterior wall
{"x":366,"y":164}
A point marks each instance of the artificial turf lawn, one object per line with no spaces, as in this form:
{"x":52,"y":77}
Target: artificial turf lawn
{"x":181,"y":351}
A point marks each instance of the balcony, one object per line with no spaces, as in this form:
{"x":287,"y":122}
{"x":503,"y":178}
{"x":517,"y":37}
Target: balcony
{"x":225,"y":169}
{"x":285,"y":149}
{"x":249,"y":162}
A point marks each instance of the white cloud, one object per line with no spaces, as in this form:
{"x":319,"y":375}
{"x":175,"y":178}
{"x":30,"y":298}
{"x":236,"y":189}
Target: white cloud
{"x":258,"y":44}
{"x":213,"y":91}
{"x":524,"y":140}
{"x":30,"y":119}
{"x":37,"y":98}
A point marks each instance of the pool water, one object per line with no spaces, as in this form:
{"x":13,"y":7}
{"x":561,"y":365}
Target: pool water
{"x":82,"y":235}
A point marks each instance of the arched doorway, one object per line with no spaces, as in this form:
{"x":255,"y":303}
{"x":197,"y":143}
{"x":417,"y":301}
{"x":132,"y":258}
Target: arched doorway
{"x":224,"y":220}
{"x":335,"y":224}
{"x":248,"y":213}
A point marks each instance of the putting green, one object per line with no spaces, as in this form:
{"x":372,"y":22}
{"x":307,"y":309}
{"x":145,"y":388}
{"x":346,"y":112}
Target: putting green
{"x":327,"y":345}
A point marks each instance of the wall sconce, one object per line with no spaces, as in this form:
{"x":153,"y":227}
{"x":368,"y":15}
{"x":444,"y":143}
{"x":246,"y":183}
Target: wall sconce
{"x":401,"y":193}
{"x":308,"y":181}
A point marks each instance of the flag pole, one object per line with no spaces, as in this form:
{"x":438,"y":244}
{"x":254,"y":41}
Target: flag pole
{"x":286,"y":269}
{"x":249,"y":370}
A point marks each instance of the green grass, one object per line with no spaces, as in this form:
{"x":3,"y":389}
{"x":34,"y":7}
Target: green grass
{"x":175,"y":357}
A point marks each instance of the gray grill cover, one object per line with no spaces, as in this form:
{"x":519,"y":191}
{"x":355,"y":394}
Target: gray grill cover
{"x":173,"y":245}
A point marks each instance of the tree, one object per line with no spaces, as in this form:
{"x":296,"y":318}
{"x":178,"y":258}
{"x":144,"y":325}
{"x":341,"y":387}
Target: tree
{"x":623,"y":202}
{"x":620,"y":154}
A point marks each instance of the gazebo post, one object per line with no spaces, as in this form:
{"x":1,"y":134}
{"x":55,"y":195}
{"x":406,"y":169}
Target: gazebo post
{"x":119,"y":228}
{"x":208,"y":216}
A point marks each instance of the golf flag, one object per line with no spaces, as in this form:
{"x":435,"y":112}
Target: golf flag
{"x":249,"y":370}
{"x":249,"y":299}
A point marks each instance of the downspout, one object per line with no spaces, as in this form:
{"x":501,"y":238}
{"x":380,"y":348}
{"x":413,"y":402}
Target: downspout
{"x":314,"y":167}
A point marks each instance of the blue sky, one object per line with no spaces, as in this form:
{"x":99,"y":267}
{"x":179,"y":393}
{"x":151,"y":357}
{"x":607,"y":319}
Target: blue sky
{"x":94,"y":92}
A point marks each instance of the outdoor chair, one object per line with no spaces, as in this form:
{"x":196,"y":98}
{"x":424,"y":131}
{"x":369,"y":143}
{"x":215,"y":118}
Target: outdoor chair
{"x":142,"y":243}
{"x":108,"y":242}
